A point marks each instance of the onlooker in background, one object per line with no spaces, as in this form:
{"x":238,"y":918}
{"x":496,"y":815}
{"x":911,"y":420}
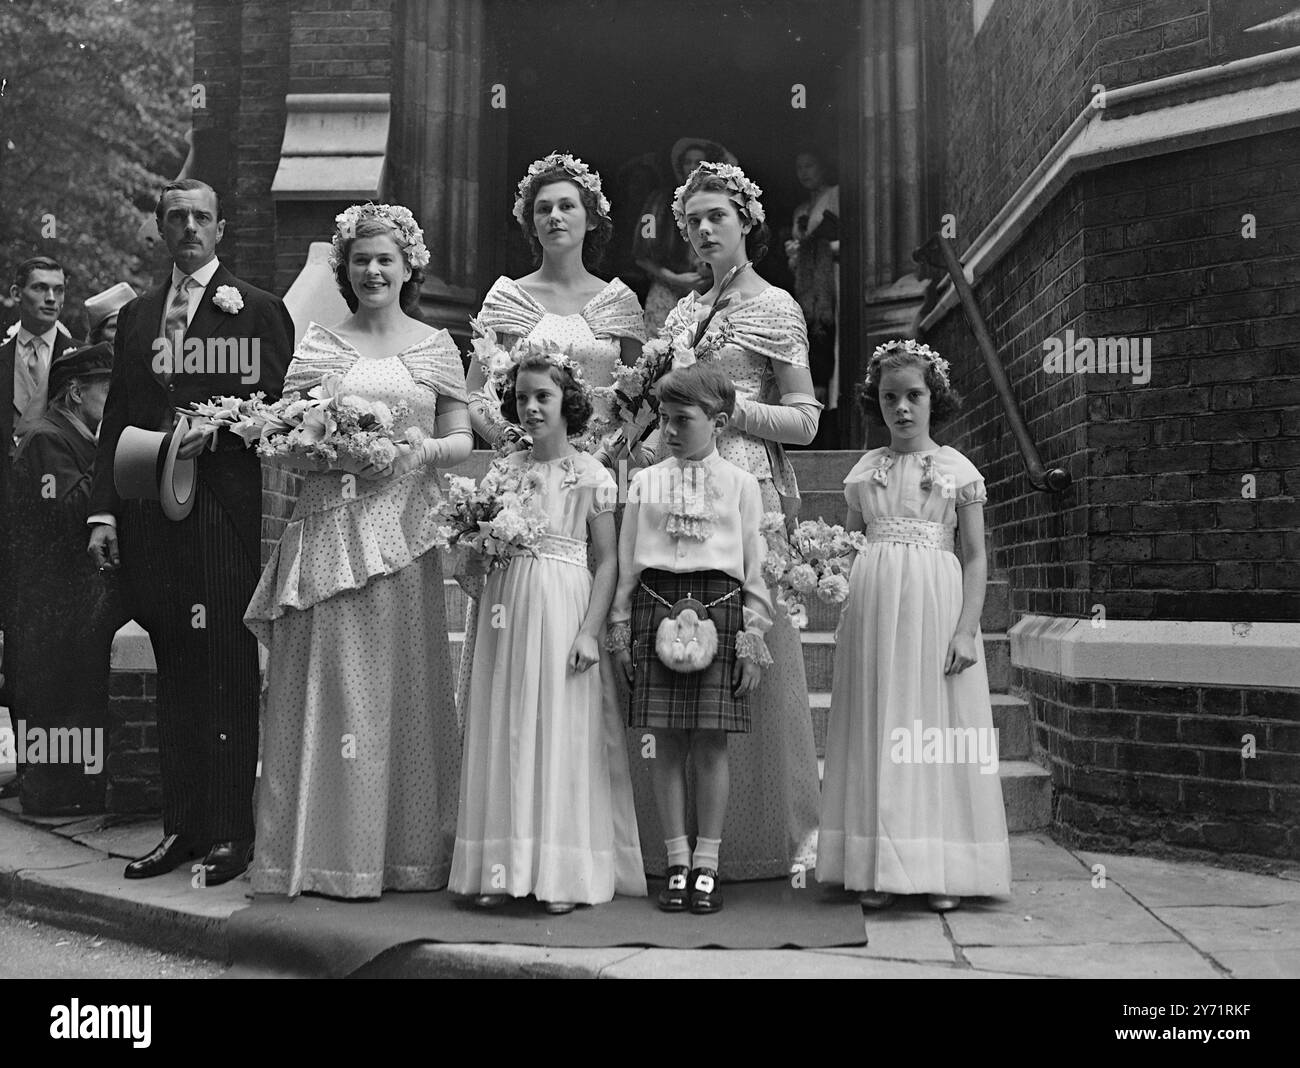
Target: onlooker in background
{"x":65,"y":610}
{"x":25,"y":357}
{"x":673,"y":267}
{"x":101,"y":312}
{"x":813,"y":253}
{"x":39,"y":286}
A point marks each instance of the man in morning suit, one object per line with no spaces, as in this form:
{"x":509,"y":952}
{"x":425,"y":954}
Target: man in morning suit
{"x":188,"y":582}
{"x":25,"y":360}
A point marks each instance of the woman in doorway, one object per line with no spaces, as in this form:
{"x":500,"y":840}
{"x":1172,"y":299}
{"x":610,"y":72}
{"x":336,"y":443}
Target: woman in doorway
{"x":659,"y":250}
{"x":757,"y":336}
{"x":813,"y":252}
{"x":564,"y":214}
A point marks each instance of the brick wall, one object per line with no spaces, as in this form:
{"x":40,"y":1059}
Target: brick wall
{"x":1174,"y":536}
{"x":1015,"y":87}
{"x":342,"y":46}
{"x":1038,"y":539}
{"x":134,"y":783}
{"x":1142,"y":765}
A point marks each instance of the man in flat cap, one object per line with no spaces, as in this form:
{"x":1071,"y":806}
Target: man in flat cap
{"x":66,"y":610}
{"x":188,"y":581}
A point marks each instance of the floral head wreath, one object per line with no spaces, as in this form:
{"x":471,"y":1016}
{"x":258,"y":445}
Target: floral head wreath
{"x":912,"y":348}
{"x":410,"y":238}
{"x":742,"y":192}
{"x":579,"y":173}
{"x":551,"y":352}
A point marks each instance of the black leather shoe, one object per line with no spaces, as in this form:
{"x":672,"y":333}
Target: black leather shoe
{"x":704,"y":891}
{"x":168,"y":855}
{"x":673,"y":897}
{"x":227,"y":860}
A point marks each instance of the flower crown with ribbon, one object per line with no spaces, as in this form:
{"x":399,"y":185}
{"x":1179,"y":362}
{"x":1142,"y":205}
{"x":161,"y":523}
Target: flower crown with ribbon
{"x":911,"y":348}
{"x":410,"y":238}
{"x":578,"y":172}
{"x":551,"y":352}
{"x":742,"y":192}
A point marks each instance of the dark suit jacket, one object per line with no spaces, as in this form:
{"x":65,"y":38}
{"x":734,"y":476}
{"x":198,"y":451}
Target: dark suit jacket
{"x":137,"y":396}
{"x":8,"y":355}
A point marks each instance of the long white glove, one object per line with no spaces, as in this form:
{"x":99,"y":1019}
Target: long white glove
{"x":792,"y":422}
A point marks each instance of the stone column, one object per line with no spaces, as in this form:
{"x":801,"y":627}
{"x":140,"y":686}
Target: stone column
{"x":436,"y":147}
{"x":895,"y":174}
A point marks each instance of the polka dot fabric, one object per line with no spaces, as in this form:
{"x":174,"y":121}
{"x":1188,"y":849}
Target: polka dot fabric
{"x":361,"y":750}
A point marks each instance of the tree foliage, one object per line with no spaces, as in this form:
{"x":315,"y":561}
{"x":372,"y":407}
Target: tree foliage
{"x":94,"y":109}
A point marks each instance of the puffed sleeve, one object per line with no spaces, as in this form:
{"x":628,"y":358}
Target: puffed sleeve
{"x":615,"y":312}
{"x":435,"y":364}
{"x":972,"y":493}
{"x":772,"y":325}
{"x":318,"y":354}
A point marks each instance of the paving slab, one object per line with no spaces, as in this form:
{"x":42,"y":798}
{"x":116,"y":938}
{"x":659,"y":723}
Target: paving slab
{"x":23,"y":848}
{"x":167,"y":911}
{"x":897,"y":934}
{"x":1037,"y":858}
{"x":774,"y":964}
{"x":441,"y":961}
{"x":1157,"y":883}
{"x":1261,"y":963}
{"x":124,"y":840}
{"x":1096,"y":960}
{"x":1064,"y":912}
{"x":1220,"y":928}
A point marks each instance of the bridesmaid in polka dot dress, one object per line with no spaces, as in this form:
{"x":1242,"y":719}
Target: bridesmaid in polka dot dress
{"x":361,"y":747}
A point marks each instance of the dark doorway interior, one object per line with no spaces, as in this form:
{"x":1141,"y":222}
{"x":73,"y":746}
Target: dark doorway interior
{"x":611,"y":82}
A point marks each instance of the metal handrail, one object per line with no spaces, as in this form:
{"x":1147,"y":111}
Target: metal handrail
{"x":938,"y":252}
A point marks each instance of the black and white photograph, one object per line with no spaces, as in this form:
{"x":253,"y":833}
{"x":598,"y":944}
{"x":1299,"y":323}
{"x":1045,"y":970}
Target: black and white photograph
{"x":651,"y":489}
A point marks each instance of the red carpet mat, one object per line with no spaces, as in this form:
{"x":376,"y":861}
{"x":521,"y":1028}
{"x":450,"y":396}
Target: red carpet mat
{"x":319,"y":936}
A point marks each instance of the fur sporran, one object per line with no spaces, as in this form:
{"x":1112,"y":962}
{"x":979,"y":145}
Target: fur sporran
{"x":687,"y":639}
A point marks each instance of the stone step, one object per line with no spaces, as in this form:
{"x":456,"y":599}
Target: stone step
{"x":1026,"y":795}
{"x":1012,"y":719}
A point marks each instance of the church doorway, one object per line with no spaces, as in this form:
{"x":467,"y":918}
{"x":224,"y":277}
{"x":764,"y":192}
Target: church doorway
{"x":618,"y":84}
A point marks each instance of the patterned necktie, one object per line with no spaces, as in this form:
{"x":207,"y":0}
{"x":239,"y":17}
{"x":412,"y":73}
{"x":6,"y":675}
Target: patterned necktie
{"x":178,"y":313}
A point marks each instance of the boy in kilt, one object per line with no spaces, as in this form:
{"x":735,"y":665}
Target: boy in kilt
{"x":687,"y":623}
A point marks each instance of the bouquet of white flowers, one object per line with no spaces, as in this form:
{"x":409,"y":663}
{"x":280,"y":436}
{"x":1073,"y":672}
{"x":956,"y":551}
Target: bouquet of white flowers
{"x":485,"y":525}
{"x":814,"y":559}
{"x":325,"y":426}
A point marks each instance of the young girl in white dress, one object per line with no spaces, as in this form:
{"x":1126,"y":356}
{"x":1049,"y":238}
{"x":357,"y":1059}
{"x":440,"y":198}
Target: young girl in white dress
{"x":911,"y":802}
{"x":544,"y":810}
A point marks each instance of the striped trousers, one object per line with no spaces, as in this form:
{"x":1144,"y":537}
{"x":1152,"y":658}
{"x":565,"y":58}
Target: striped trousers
{"x":189,"y":583}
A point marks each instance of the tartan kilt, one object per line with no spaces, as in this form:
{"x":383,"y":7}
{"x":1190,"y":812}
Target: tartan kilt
{"x":696,"y":700}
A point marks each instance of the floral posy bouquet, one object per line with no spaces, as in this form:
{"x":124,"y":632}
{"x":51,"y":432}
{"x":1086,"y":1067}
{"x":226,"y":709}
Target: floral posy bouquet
{"x":499,"y":518}
{"x":812,"y":560}
{"x":325,"y":425}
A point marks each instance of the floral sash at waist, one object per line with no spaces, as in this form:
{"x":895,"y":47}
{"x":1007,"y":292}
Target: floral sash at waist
{"x":905,"y":531}
{"x":558,"y":547}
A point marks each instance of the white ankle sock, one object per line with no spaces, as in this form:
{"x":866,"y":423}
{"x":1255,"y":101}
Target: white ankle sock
{"x":679,"y":851}
{"x":706,"y":853}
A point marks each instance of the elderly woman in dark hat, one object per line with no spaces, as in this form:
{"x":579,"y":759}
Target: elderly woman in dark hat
{"x":66,"y":611}
{"x":658,"y":248}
